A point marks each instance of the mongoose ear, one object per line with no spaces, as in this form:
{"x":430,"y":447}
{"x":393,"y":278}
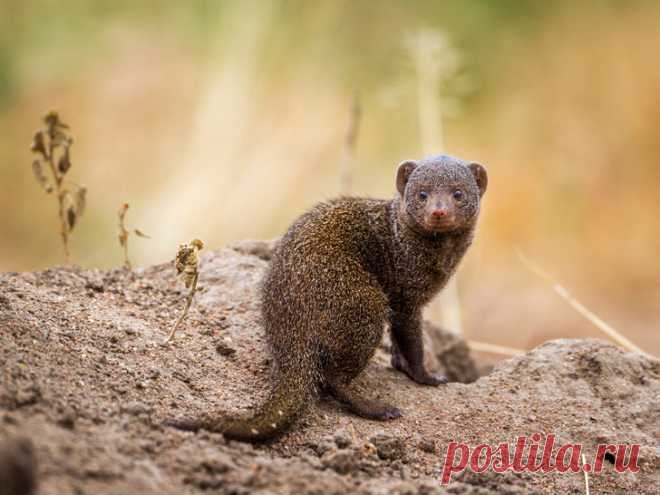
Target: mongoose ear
{"x":480,"y":175}
{"x":403,"y":173}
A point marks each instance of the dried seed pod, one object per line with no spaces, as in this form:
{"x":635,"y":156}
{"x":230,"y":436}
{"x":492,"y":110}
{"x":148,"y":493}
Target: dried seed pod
{"x":53,"y":123}
{"x":122,"y":211}
{"x":41,"y":177}
{"x":186,"y":263}
{"x":56,"y":131}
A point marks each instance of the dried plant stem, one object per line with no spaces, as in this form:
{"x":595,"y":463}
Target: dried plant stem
{"x":494,"y":348}
{"x":187,"y":267}
{"x":586,"y":475}
{"x":60,"y":193}
{"x":124,"y":234}
{"x":348,"y":160}
{"x":189,"y":300}
{"x":127,"y":262}
{"x":351,"y":430}
{"x":423,"y":48}
{"x":450,"y":307}
{"x":71,"y":204}
{"x":580,"y":308}
{"x":428,"y":107}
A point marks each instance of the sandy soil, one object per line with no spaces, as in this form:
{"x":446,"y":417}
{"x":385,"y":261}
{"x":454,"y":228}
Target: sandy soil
{"x":86,"y":385}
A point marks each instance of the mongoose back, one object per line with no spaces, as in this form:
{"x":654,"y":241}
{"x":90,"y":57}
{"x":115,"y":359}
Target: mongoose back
{"x":341,"y":272}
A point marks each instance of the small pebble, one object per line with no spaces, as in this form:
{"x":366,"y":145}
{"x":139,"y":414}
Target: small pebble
{"x":343,"y":438}
{"x":223,"y":349}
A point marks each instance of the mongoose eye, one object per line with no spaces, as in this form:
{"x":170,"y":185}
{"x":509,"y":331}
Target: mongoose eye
{"x":458,"y":195}
{"x":423,"y":195}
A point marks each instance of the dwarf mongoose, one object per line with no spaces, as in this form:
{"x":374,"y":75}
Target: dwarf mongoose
{"x":341,"y":272}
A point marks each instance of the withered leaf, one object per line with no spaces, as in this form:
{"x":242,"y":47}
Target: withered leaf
{"x":181,"y":259}
{"x":81,"y":200}
{"x":40,"y":176}
{"x":38,"y":144}
{"x":71,"y":202}
{"x":71,"y":217}
{"x":64,"y":163}
{"x":139,"y":233}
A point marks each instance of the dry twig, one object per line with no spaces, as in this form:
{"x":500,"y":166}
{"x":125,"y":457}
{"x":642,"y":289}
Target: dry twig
{"x":580,"y":308}
{"x":494,"y":348}
{"x":124,"y":234}
{"x":436,"y":62}
{"x":348,"y":162}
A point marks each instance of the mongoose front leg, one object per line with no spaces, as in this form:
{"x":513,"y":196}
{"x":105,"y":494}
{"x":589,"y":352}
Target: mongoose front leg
{"x":408,"y":347}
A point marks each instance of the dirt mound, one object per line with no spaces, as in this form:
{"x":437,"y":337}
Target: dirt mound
{"x":86,"y":385}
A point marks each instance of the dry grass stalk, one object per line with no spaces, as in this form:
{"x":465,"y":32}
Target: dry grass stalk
{"x":53,"y":144}
{"x":494,"y":348}
{"x":436,"y":62}
{"x":354,"y":436}
{"x":187,"y":266}
{"x":586,"y":475}
{"x":350,"y":142}
{"x":125,"y":233}
{"x":580,"y":308}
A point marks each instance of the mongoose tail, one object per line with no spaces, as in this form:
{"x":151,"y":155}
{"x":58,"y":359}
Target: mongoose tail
{"x":291,"y":393}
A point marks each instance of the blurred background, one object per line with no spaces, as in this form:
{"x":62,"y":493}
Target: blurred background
{"x":226,"y":120}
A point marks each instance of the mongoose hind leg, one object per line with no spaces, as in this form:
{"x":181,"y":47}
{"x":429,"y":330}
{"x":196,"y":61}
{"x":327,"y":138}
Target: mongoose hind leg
{"x":352,"y":339}
{"x":355,"y":401}
{"x":408,"y":350}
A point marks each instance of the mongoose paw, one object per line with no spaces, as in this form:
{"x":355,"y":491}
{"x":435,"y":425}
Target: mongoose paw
{"x":388,"y":414}
{"x":432,"y":379}
{"x":437,"y":379}
{"x":369,"y":408}
{"x":422,"y":377}
{"x":185,"y":424}
{"x":380,"y":412}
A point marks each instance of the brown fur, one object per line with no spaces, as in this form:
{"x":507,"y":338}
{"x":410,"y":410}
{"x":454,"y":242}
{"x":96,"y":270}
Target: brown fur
{"x":341,"y":272}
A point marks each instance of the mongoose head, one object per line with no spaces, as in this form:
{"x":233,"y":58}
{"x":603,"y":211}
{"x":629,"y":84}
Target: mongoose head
{"x":440,"y":193}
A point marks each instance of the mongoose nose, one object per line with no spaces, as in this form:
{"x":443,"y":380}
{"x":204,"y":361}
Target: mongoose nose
{"x":439,"y":213}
